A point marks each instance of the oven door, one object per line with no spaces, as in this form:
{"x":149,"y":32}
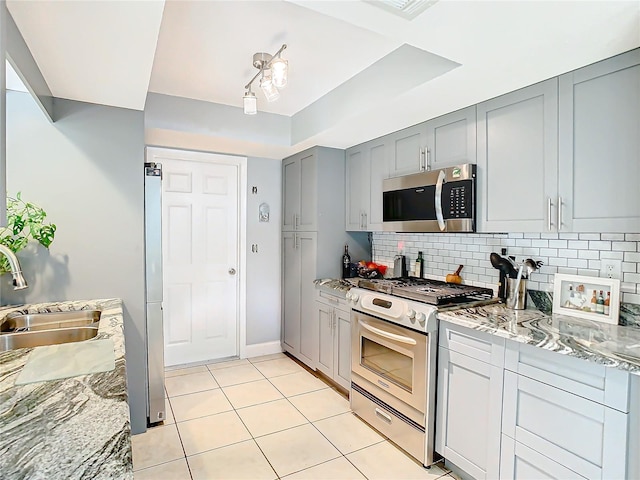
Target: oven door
{"x":390,"y":357}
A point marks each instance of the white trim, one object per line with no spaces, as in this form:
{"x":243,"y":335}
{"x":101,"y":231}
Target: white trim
{"x":259,"y":349}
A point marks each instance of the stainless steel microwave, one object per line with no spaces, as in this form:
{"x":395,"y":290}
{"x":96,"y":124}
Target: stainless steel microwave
{"x":433,"y":201}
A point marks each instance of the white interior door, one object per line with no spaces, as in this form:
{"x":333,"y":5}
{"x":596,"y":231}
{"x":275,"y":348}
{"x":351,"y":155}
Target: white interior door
{"x":200,"y":229}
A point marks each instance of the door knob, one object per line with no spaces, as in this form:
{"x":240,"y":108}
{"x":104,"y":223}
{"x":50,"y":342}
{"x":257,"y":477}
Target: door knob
{"x":232,"y":271}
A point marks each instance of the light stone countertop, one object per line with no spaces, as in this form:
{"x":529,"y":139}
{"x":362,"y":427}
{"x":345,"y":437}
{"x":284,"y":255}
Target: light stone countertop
{"x":610,"y":345}
{"x":73,"y":428}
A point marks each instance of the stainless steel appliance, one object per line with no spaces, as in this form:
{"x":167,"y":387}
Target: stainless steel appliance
{"x":154,"y":341}
{"x":393,"y":356}
{"x":433,"y":201}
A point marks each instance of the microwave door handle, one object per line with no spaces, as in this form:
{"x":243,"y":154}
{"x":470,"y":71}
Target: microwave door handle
{"x":389,"y":335}
{"x":438,"y":201}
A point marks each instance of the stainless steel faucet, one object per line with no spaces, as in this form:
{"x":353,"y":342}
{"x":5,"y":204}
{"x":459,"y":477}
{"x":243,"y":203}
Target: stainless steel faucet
{"x":19,"y":282}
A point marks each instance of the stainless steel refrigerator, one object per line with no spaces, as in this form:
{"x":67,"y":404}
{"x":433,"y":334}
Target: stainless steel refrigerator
{"x":153,"y":283}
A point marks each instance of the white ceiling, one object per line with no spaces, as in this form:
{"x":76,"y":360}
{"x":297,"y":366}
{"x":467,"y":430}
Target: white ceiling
{"x":114,"y":52}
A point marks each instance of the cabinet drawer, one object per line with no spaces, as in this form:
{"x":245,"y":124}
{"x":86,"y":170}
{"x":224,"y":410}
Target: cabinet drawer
{"x":518,"y":461}
{"x":479,"y":345}
{"x":333,"y":300}
{"x":584,"y":436}
{"x":608,"y":386}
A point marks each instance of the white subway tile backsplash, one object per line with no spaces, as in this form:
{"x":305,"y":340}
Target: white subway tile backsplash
{"x":612,"y":236}
{"x":561,"y":253}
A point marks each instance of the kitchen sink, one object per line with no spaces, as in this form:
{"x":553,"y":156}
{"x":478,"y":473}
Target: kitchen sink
{"x":12,"y":341}
{"x":31,"y":322}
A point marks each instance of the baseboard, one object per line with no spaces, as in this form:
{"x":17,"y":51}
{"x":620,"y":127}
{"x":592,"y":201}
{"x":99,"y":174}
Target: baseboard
{"x":259,"y":349}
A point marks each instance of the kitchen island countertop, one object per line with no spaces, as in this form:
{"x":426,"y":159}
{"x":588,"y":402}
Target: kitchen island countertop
{"x":72,"y":428}
{"x":609,"y":345}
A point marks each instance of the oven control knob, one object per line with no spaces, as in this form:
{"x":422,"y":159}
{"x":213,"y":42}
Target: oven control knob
{"x":411,"y":314}
{"x":421,"y":317}
{"x":348,"y":296}
{"x":354,"y":297}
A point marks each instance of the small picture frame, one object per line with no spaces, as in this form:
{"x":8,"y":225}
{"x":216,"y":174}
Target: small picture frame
{"x":573,"y":295}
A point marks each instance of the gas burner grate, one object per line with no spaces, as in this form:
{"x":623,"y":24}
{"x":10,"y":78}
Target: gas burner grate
{"x":434,"y":292}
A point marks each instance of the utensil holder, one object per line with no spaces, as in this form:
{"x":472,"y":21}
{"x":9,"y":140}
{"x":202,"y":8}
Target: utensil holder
{"x":517,"y":300}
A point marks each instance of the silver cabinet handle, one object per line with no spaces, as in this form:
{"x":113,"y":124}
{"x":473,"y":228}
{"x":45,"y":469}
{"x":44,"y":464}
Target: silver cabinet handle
{"x":382,"y":415}
{"x":549,"y":213}
{"x":428,"y":160}
{"x":559,"y":213}
{"x":423,"y":161}
{"x":296,"y":221}
{"x":232,"y":271}
{"x":296,"y":243}
{"x":364,"y":224}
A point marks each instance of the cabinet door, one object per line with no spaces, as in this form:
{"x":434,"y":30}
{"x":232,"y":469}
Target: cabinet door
{"x":518,"y":462}
{"x":599,"y":165}
{"x":290,"y":193}
{"x":290,"y":293}
{"x":357,"y":171}
{"x":307,"y":242}
{"x":308,"y":220}
{"x":406,"y":150}
{"x":468,"y":416}
{"x":451,"y":139}
{"x":379,"y":170}
{"x":342,"y":358}
{"x":325,"y":318}
{"x":586,"y":437}
{"x":517,"y":160}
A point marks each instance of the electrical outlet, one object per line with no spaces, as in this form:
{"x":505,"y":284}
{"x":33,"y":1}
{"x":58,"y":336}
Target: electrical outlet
{"x":610,"y":268}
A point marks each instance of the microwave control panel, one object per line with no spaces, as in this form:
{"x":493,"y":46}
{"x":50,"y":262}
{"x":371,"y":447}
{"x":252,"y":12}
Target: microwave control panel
{"x":458,"y":199}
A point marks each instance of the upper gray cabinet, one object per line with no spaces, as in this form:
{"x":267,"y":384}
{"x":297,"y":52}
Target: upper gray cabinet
{"x":366,"y":168}
{"x":517,"y":160}
{"x":406,"y":150}
{"x":451,"y":139}
{"x":300,"y":192}
{"x":599,"y":149}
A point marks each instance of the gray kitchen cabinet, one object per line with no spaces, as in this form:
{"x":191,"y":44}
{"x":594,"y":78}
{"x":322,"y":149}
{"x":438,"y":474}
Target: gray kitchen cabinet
{"x":451,"y":139}
{"x":406,"y":150}
{"x":566,"y":409}
{"x":300,"y":192}
{"x":517,"y":136}
{"x":334,"y":346}
{"x":599,"y":150}
{"x":366,"y":168}
{"x":317,"y":173}
{"x":469,"y":400}
{"x":300,"y":332}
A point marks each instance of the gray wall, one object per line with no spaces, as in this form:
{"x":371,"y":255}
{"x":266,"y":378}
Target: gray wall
{"x":86,"y":171}
{"x":263,"y":267}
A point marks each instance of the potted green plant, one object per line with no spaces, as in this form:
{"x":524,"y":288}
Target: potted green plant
{"x":25,"y":221}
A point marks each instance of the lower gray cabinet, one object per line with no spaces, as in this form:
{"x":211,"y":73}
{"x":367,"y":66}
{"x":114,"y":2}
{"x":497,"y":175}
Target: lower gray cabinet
{"x":584,"y":436}
{"x":469,"y":400}
{"x":334,"y":339}
{"x":523,"y":463}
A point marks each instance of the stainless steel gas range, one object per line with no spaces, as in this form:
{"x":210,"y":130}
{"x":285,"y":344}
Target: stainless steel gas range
{"x":393,"y":356}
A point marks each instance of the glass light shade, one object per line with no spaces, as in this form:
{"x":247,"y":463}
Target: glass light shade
{"x":268,"y":88}
{"x":250,"y":103}
{"x":279,"y":72}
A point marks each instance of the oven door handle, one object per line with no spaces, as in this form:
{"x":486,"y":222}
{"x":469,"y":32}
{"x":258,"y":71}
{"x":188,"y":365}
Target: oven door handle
{"x":389,"y":335}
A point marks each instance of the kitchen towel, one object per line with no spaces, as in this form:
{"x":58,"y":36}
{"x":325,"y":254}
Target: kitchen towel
{"x":54,"y":362}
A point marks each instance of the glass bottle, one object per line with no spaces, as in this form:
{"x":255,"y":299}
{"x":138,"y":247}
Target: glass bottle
{"x":607,"y":302}
{"x":346,"y":263}
{"x":600,"y":303}
{"x":419,"y":269}
{"x":594,"y":302}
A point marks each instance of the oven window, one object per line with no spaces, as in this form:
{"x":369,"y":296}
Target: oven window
{"x":390,"y":364}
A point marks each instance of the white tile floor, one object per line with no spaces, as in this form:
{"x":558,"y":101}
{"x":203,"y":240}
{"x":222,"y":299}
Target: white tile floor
{"x":264,"y":418}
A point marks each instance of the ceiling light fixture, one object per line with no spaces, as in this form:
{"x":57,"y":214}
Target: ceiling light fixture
{"x":273,"y":74}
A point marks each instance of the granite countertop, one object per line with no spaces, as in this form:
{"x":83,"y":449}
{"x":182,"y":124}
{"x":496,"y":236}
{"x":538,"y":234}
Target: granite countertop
{"x":73,"y":428}
{"x":337,"y":287}
{"x":610,"y":345}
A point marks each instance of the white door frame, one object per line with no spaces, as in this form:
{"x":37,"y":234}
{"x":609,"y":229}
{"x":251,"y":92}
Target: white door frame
{"x":241,"y":162}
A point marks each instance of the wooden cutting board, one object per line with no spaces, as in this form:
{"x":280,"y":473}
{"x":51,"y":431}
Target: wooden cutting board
{"x":54,"y":362}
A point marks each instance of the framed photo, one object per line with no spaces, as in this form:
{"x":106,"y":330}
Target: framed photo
{"x":593,"y":298}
